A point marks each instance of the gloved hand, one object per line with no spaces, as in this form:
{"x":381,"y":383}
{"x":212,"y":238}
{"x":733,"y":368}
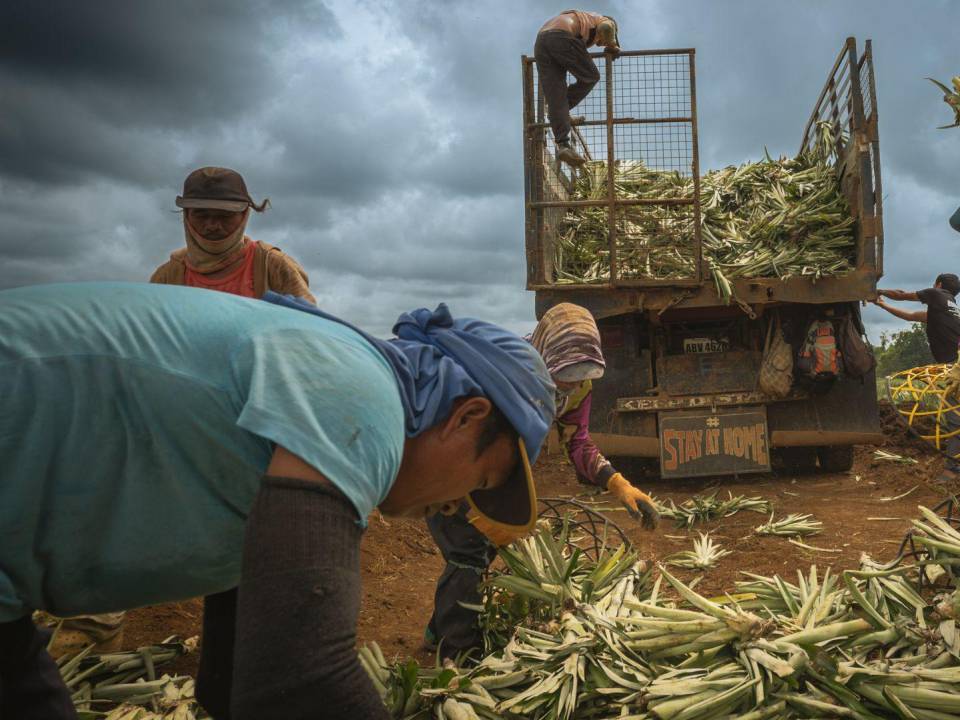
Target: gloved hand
{"x":636,"y":501}
{"x":496,"y":534}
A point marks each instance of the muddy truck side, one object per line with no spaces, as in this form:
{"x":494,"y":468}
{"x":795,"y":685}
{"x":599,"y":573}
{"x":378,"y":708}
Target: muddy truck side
{"x":683,"y":350}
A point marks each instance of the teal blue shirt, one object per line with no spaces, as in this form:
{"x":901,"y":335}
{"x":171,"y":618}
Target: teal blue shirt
{"x":137,"y":421}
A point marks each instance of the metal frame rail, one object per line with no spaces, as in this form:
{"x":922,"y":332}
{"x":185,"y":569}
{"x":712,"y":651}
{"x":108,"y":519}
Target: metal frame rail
{"x":849,"y":101}
{"x":641,"y":92}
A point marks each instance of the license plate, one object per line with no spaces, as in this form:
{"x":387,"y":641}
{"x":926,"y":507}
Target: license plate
{"x":705,"y":345}
{"x":726,"y":442}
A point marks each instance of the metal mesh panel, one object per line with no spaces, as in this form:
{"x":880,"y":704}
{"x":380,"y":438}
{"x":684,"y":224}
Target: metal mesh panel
{"x":666,"y":146}
{"x":866,"y":68}
{"x":574,"y":220}
{"x":652,"y":87}
{"x":850,"y":84}
{"x":848,"y":102}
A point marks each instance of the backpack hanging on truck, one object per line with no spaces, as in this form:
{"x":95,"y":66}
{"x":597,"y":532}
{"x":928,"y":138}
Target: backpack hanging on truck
{"x":858,"y":359}
{"x":819,"y":363}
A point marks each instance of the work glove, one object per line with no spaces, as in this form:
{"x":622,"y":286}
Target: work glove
{"x":637,"y":502}
{"x":612,"y":51}
{"x":496,"y":534}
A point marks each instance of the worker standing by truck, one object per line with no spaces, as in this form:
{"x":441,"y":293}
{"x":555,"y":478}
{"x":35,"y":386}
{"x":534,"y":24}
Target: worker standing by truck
{"x":561,"y":48}
{"x":942,"y":321}
{"x":162,"y":443}
{"x":568,"y":340}
{"x":218,"y":256}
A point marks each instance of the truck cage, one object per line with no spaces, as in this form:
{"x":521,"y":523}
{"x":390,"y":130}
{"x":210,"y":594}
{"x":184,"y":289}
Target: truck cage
{"x":643,"y":113}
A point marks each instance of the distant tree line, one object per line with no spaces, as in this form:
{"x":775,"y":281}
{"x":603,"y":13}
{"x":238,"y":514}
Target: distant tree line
{"x":902,"y":350}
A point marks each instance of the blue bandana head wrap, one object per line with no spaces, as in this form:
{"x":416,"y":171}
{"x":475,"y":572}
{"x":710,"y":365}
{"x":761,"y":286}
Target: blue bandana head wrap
{"x":437,"y":359}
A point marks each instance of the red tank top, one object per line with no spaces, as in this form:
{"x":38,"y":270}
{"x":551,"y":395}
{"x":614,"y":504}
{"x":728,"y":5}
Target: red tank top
{"x":238,"y":282}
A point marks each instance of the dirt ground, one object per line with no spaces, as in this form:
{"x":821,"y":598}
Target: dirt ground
{"x":400,"y":563}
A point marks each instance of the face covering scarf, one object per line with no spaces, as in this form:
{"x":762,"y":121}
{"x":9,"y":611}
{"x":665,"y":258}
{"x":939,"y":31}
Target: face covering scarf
{"x":567,"y":335}
{"x":208,"y":256}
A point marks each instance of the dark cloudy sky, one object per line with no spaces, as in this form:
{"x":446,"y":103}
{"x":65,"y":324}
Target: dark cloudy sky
{"x":387,"y":134}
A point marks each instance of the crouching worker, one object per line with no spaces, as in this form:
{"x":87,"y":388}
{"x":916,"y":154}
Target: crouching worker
{"x":161,"y":443}
{"x":568,"y":340}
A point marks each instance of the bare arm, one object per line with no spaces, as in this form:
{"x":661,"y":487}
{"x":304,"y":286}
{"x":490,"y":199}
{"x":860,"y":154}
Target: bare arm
{"x":898,"y":294}
{"x":910,"y":316}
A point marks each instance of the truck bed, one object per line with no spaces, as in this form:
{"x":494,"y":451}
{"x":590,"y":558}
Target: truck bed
{"x":644,"y":108}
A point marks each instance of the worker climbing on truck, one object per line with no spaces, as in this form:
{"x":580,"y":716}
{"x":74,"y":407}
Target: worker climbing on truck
{"x":561,"y":48}
{"x":568,"y":340}
{"x":161,"y":443}
{"x":942,"y":320}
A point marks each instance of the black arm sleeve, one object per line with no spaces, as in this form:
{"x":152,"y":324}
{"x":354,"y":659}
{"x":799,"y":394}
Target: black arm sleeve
{"x":298,"y":601}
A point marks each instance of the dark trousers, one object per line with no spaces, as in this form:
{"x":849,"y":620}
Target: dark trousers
{"x":30,"y":684}
{"x":951,"y":422}
{"x":558,"y":53}
{"x":468,"y":554}
{"x":215,"y":674}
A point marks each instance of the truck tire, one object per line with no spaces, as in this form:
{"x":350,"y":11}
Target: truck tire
{"x":798,"y":460}
{"x":835,"y":458}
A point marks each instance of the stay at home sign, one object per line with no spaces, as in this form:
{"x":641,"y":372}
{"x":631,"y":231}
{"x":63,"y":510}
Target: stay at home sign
{"x":714,"y":443}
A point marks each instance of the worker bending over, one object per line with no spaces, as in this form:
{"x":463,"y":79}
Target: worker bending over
{"x":561,"y":48}
{"x":942,"y":321}
{"x":569,"y":342}
{"x":161,"y":443}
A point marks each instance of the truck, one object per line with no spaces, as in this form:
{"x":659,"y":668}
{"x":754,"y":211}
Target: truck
{"x":680,"y":393}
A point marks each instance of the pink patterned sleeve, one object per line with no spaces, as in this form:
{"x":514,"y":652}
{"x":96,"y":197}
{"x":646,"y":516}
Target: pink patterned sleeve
{"x":574,"y":426}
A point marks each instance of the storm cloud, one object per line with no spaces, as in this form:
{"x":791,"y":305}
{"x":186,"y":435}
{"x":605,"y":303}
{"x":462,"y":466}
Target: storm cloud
{"x":387,"y":134}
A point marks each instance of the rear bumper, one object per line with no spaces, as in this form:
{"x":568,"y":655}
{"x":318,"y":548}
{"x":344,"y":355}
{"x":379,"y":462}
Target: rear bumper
{"x":649,"y":446}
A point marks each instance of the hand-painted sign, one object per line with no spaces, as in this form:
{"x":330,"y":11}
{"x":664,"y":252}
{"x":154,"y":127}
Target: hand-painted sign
{"x":726,"y":442}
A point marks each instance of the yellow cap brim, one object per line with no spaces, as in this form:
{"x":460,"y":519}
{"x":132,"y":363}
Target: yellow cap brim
{"x":509,"y":509}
